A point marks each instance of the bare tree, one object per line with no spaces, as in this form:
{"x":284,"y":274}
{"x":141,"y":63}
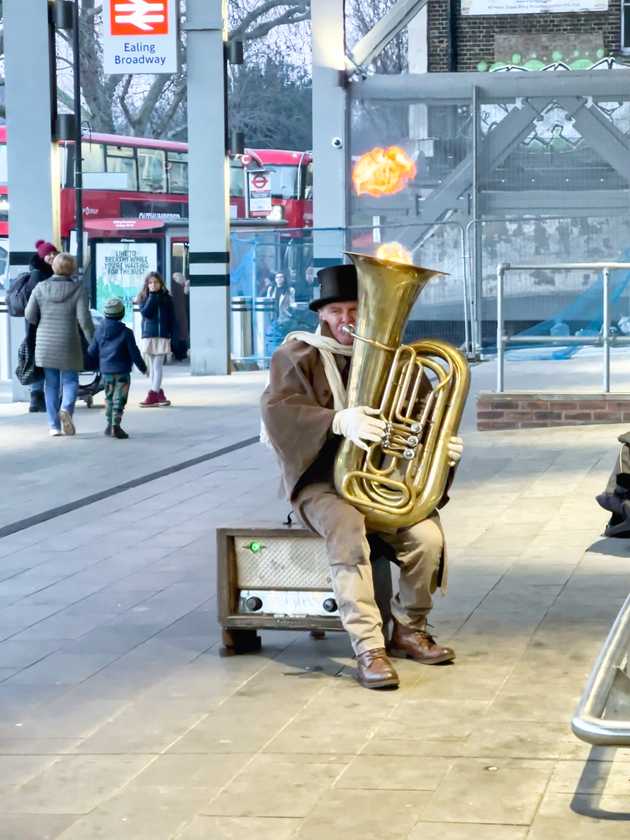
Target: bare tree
{"x":155,"y":105}
{"x":151,"y":105}
{"x":361,"y":16}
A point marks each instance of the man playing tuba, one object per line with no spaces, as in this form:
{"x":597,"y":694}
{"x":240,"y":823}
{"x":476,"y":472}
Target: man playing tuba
{"x":305,"y":418}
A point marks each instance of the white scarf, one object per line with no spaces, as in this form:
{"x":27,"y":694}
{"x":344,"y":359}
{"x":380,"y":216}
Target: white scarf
{"x":328,"y":348}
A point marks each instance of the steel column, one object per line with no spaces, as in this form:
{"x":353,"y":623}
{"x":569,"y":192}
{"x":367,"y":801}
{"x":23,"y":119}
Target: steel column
{"x":501,"y":269}
{"x":330,"y":130}
{"x":477,"y":277}
{"x":606,"y":326}
{"x":33,"y":174}
{"x":208,"y":188}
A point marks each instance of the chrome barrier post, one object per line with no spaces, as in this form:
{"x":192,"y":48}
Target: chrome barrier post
{"x":263,"y":312}
{"x":241,"y":327}
{"x":606,"y":327}
{"x":137,"y":324}
{"x":501,"y":269}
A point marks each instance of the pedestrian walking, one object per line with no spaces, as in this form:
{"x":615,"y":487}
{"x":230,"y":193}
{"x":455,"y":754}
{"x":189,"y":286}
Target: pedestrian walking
{"x":114,"y":352}
{"x":158,"y":322}
{"x":284,"y":298}
{"x":18,"y":296}
{"x":58,"y":308}
{"x":180,"y":292}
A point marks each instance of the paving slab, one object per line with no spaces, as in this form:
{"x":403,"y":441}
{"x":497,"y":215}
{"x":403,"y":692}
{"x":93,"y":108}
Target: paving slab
{"x":119,"y":718}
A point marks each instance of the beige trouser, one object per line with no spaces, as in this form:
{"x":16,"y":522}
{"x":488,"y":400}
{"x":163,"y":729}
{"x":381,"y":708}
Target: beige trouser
{"x":418,"y":549}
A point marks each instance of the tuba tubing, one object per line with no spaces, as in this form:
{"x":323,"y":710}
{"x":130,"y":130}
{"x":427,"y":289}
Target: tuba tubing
{"x":420,"y":390}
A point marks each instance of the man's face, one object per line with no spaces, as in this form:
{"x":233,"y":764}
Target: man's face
{"x":50,"y":258}
{"x":339,"y":315}
{"x":280,"y":279}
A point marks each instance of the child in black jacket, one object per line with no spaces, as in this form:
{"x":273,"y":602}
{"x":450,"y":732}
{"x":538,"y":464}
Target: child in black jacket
{"x":114,"y":352}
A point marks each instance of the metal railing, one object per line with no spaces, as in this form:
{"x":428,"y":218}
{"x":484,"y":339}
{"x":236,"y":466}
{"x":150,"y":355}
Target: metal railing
{"x":327,"y":241}
{"x":605,"y":702}
{"x":604,"y":340}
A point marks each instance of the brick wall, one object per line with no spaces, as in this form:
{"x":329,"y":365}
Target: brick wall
{"x":521,"y":410}
{"x":475,"y":34}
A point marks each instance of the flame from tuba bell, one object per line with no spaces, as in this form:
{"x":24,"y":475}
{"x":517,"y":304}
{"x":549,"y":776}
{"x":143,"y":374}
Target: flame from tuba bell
{"x":420,"y":390}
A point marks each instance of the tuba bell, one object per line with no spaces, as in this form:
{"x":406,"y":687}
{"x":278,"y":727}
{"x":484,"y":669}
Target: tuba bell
{"x":420,"y":390}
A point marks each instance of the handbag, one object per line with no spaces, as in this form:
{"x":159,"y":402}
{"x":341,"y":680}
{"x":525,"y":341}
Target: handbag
{"x":27,"y":371}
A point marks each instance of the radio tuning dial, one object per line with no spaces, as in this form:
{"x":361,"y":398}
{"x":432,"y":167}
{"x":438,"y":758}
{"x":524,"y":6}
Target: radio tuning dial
{"x":330,"y":605}
{"x":253,"y":603}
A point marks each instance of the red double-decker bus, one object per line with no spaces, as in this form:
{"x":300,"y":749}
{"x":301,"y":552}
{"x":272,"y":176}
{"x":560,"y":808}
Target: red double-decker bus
{"x":136,"y":178}
{"x":291,"y":179}
{"x":127,"y":178}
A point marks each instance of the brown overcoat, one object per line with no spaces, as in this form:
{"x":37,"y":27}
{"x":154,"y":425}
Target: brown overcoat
{"x":297,"y":410}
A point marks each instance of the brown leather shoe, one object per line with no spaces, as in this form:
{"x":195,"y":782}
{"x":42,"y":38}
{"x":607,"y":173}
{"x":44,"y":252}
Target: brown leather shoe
{"x":375,"y":670}
{"x":418,"y":645}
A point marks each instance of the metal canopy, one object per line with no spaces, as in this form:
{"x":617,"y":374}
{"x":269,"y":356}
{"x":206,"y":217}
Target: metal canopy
{"x":454,"y":88}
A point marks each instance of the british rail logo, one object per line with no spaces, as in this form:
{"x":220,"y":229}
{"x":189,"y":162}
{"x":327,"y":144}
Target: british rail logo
{"x":139,"y":17}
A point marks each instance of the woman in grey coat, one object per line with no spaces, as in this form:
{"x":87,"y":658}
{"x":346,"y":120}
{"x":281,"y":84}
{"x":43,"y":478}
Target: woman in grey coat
{"x":59,"y":306}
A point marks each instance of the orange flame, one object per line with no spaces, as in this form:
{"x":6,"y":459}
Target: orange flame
{"x":394,"y":252}
{"x":383,"y":171}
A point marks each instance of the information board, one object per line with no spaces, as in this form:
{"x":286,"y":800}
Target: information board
{"x":120,"y":271}
{"x":530,"y":7}
{"x":259,"y":192}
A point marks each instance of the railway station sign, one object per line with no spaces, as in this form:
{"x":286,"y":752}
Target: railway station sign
{"x":530,"y":7}
{"x":140,"y":36}
{"x":258,"y":192}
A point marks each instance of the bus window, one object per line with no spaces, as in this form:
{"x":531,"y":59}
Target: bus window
{"x":122,"y":162}
{"x":93,"y":156}
{"x":283,"y":180}
{"x":152,"y":170}
{"x":237,"y":179}
{"x":308,"y":181}
{"x":177,"y":170}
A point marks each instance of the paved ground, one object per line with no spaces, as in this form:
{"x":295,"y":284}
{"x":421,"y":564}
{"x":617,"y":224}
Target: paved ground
{"x":120,"y":720}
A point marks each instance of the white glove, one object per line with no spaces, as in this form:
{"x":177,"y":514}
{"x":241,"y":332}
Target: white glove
{"x":359,"y":425}
{"x":455,"y":449}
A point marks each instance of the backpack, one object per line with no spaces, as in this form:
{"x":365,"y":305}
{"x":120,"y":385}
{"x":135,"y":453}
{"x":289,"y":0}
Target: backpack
{"x":17,"y":296}
{"x":27,"y":371}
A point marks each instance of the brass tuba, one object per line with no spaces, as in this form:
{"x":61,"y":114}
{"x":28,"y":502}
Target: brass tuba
{"x":420,"y":390}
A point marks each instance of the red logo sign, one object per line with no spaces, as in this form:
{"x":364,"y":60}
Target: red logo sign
{"x":139,"y":17}
{"x":260,"y":182}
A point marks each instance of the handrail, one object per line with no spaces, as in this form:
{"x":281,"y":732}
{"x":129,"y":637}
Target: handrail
{"x":589,"y":723}
{"x":605,"y":340}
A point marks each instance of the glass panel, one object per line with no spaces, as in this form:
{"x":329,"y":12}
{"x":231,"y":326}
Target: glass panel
{"x":93,"y":155}
{"x":120,"y":151}
{"x":152,"y":170}
{"x":3,"y":164}
{"x":237,"y":180}
{"x":177,"y":177}
{"x":308,"y":182}
{"x":626,"y":26}
{"x":125,"y":167}
{"x":283,"y":181}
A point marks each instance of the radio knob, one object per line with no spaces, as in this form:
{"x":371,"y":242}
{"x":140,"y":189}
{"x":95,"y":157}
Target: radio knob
{"x":330,"y":605}
{"x":254,"y":603}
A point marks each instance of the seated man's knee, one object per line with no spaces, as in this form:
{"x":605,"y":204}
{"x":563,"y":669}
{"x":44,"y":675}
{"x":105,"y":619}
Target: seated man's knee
{"x":428,"y":534}
{"x":347,"y":542}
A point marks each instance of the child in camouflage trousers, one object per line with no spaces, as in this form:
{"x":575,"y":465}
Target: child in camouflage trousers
{"x":114,"y":352}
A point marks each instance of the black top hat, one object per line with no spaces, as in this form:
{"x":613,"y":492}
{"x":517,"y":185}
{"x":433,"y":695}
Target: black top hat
{"x":337,"y":283}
